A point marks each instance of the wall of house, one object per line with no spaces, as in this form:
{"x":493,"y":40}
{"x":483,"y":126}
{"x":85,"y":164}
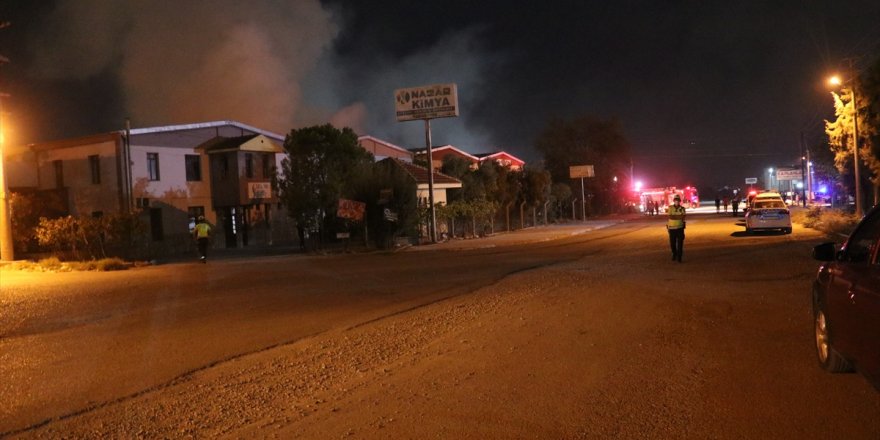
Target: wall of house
{"x":172,"y":194}
{"x":84,"y":196}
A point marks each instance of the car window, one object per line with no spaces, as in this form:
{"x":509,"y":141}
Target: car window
{"x":764,"y":204}
{"x":862,"y":244}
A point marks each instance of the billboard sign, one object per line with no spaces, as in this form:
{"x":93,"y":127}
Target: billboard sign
{"x":259,"y":190}
{"x":426,"y":102}
{"x":579,"y":171}
{"x":351,"y":209}
{"x":789,"y":174}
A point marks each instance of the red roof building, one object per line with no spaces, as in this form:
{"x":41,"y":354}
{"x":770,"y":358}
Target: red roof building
{"x":504,"y":159}
{"x":438,"y":154}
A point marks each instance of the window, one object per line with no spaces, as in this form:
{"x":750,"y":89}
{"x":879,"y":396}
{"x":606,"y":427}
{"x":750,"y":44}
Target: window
{"x":267,"y":166}
{"x":249,"y":165}
{"x":95,"y":167}
{"x":223,"y":165}
{"x":862,"y":244}
{"x":156,"y":230}
{"x":193,"y":168}
{"x":153,"y":166}
{"x":59,"y":173}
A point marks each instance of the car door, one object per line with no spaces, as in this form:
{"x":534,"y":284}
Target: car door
{"x":848,"y":300}
{"x":865,"y":312}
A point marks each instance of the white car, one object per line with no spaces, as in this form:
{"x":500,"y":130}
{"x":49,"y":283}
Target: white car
{"x":768,"y":213}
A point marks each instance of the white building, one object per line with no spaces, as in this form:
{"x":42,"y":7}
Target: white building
{"x":171,"y":174}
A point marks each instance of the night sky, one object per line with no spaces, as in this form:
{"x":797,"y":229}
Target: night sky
{"x":707,"y":92}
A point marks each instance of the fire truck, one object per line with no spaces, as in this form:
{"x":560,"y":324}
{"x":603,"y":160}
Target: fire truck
{"x":662,"y":197}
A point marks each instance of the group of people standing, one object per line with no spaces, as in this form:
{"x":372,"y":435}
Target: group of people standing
{"x":725,"y":201}
{"x":652,"y":207}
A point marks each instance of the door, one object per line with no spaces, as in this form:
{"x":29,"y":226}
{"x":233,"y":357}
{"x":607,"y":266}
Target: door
{"x":852,"y":299}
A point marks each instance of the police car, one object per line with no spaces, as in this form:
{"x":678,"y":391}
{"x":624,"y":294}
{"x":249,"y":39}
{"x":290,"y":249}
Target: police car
{"x":767,"y":211}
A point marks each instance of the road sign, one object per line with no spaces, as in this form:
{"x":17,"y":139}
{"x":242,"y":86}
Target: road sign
{"x":390,"y":215}
{"x":751,"y":180}
{"x":578,"y":171}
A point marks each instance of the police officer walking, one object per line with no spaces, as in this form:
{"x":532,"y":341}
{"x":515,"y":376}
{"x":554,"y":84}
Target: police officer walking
{"x":675,"y":227}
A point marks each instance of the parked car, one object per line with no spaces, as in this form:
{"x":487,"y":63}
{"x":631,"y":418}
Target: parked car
{"x":846,"y":302}
{"x":768,"y":213}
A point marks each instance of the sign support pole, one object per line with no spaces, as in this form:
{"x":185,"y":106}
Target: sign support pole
{"x":583,"y":202}
{"x":432,"y":226}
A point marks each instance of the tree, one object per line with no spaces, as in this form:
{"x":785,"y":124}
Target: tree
{"x":587,"y":140}
{"x":389,"y":187}
{"x":535,"y":187}
{"x":840,"y":131}
{"x":323,"y":164}
{"x":560,"y":194}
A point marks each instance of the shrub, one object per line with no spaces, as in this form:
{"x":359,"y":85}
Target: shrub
{"x":52,"y":263}
{"x":55,"y":265}
{"x":831,"y":221}
{"x":108,"y":264}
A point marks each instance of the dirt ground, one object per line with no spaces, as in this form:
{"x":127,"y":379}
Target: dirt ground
{"x":621,"y":343}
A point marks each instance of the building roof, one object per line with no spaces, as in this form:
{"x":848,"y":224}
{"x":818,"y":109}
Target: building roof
{"x":184,"y":135}
{"x":203,"y":126}
{"x":75,"y":142}
{"x":420,"y":174}
{"x":253,"y":142}
{"x":498,"y":155}
{"x":445,"y":149}
{"x":385,"y":143}
{"x":191,"y":135}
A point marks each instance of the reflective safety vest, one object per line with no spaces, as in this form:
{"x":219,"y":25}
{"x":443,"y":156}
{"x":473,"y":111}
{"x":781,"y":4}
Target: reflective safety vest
{"x":202,"y":230}
{"x":676,"y":217}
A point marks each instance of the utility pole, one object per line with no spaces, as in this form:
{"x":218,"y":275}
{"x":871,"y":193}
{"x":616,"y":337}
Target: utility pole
{"x":803,"y":171}
{"x":6,"y":246}
{"x":859,"y":212}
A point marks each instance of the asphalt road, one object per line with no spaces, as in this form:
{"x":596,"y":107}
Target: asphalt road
{"x":563,"y":332}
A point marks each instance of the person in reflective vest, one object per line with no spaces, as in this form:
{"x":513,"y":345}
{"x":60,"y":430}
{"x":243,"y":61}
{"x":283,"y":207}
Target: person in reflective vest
{"x":202,"y":234}
{"x":675,"y":225}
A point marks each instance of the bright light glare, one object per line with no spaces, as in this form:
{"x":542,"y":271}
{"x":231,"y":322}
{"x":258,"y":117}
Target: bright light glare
{"x":770,"y":169}
{"x":800,"y":185}
{"x":638,"y":185}
{"x":835,"y":80}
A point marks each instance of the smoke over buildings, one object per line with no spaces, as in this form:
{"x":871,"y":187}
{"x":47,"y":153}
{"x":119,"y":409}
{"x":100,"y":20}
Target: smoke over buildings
{"x":265,"y":63}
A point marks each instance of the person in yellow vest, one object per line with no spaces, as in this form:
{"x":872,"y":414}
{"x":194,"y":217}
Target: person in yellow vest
{"x":202,"y":235}
{"x":675,"y":226}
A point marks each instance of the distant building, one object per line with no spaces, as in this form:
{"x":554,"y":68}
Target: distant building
{"x":171,"y":174}
{"x":502,"y":158}
{"x":420,"y":176}
{"x":384,"y":149}
{"x":440,"y":153}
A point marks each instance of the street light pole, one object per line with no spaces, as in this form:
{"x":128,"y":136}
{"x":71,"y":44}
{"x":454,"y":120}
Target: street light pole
{"x":6,"y":247}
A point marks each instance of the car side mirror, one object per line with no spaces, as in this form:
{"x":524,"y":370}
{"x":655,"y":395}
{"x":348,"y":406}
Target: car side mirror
{"x":824,"y":252}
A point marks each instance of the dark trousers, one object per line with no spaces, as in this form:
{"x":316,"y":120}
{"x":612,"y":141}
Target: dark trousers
{"x":676,"y":242}
{"x":203,"y":247}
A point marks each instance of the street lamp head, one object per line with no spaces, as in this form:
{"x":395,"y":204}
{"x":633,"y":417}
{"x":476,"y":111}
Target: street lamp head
{"x":770,"y":170}
{"x":835,"y":81}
